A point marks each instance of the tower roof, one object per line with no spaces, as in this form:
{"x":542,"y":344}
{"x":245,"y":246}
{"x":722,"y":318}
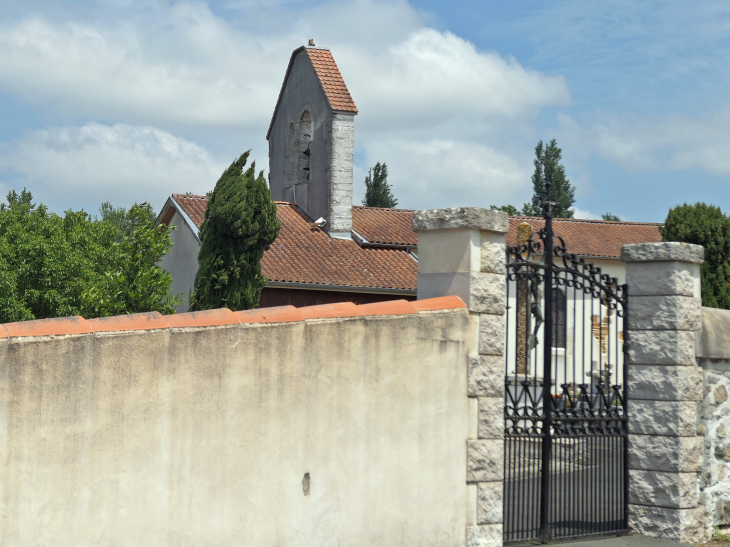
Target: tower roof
{"x":333,"y":85}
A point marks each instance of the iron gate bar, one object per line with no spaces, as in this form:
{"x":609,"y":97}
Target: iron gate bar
{"x":566,"y":452}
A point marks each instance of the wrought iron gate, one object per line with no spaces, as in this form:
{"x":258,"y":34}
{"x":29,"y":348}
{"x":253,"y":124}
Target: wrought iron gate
{"x":566,"y":450}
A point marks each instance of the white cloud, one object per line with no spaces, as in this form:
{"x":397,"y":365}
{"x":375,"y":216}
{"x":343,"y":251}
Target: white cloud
{"x":672,"y":143}
{"x":454,"y":123}
{"x":75,"y":167}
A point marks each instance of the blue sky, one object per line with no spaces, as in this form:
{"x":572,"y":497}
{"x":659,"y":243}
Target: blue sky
{"x":126,"y":101}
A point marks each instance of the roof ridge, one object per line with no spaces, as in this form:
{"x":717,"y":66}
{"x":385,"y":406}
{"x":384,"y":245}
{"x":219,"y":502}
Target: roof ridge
{"x":395,"y":209}
{"x":191,"y":196}
{"x":592,"y":221}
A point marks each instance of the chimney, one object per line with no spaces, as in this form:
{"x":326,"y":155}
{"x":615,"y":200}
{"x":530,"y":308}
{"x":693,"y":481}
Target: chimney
{"x":341,"y":166}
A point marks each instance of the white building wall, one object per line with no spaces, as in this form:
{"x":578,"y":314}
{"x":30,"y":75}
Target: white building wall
{"x":182,"y":260}
{"x":584,"y":355}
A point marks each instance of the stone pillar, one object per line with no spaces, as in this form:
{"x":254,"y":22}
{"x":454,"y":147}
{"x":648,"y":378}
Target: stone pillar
{"x":461,"y":252}
{"x":665,"y":385}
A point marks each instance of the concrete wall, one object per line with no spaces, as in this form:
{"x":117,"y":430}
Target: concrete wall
{"x":714,"y":416}
{"x":182,"y":260}
{"x":317,"y":432}
{"x":329,"y":192}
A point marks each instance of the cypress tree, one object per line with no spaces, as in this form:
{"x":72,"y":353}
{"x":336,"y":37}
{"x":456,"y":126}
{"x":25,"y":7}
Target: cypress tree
{"x":377,"y":189}
{"x":240,"y":224}
{"x":705,"y":225}
{"x":548,"y":167}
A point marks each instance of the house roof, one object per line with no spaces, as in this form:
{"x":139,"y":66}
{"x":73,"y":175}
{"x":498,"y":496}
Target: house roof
{"x":329,"y":76}
{"x":599,"y":238}
{"x":384,"y":226}
{"x":303,"y":253}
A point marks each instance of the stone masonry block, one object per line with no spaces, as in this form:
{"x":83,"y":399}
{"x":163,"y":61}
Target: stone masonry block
{"x":663,"y":252}
{"x":461,"y":217}
{"x":665,"y":313}
{"x":492,"y":256}
{"x":484,"y":460}
{"x":485,"y":376}
{"x":489,"y":502}
{"x":663,"y":278}
{"x":675,"y":490}
{"x":488,"y":535}
{"x":675,"y":524}
{"x":665,"y":382}
{"x":487,"y":293}
{"x":491,"y":334}
{"x":669,"y":418}
{"x":662,"y":347}
{"x":670,"y":454}
{"x":491,"y":418}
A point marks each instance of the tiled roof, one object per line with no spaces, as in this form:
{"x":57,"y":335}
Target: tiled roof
{"x":599,"y":238}
{"x":194,"y":207}
{"x":384,"y":226}
{"x":303,"y":253}
{"x":329,"y":76}
{"x":332,"y":82}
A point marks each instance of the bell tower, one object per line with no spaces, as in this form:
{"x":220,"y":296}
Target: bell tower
{"x":311,"y":140}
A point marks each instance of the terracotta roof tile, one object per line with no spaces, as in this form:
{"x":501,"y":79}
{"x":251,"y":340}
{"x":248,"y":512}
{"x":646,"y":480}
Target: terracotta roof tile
{"x":303,"y":253}
{"x":332,"y":82}
{"x":194,"y":206}
{"x":384,"y":226}
{"x":599,"y":238}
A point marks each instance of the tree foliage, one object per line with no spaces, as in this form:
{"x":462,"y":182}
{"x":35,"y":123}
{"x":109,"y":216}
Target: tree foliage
{"x":377,"y":190}
{"x":511,"y":210}
{"x":705,"y":225}
{"x":124,"y":220}
{"x":548,"y":168}
{"x":610,"y":216}
{"x":53,"y":266}
{"x":240,"y":224}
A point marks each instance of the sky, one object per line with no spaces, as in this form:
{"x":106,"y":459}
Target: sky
{"x":129,"y":101}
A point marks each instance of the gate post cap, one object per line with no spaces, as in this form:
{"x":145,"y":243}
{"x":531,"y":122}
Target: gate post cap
{"x":664,"y":251}
{"x":476,"y":218}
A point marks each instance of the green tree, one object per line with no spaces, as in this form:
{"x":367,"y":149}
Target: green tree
{"x":548,"y":167}
{"x":610,"y":216}
{"x":240,"y":224}
{"x":705,"y":225}
{"x":377,"y":190}
{"x":511,"y":210}
{"x":54,"y":266}
{"x":123,"y":219}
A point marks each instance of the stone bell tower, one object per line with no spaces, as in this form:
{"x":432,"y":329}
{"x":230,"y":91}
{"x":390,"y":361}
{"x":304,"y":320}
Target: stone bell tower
{"x":311,"y":138}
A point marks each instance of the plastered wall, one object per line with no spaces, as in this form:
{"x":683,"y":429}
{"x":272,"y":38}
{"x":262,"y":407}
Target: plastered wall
{"x":346,"y":431}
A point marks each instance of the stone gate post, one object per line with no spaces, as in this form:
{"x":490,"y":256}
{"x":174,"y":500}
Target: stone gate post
{"x":461,"y":251}
{"x":665,"y":385}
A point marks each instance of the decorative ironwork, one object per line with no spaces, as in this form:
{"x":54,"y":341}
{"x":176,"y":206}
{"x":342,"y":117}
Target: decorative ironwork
{"x":566,"y":408}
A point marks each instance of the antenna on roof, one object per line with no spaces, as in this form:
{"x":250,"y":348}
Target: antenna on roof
{"x":311,"y":42}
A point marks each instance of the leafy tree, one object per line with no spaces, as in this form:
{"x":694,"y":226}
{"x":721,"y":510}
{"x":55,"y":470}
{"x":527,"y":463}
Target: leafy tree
{"x":240,"y":224}
{"x":610,"y":216}
{"x":377,"y":190}
{"x":53,"y":266}
{"x":511,"y":210}
{"x":133,"y":282}
{"x":548,"y":167}
{"x":123,"y":219}
{"x":705,"y":225}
